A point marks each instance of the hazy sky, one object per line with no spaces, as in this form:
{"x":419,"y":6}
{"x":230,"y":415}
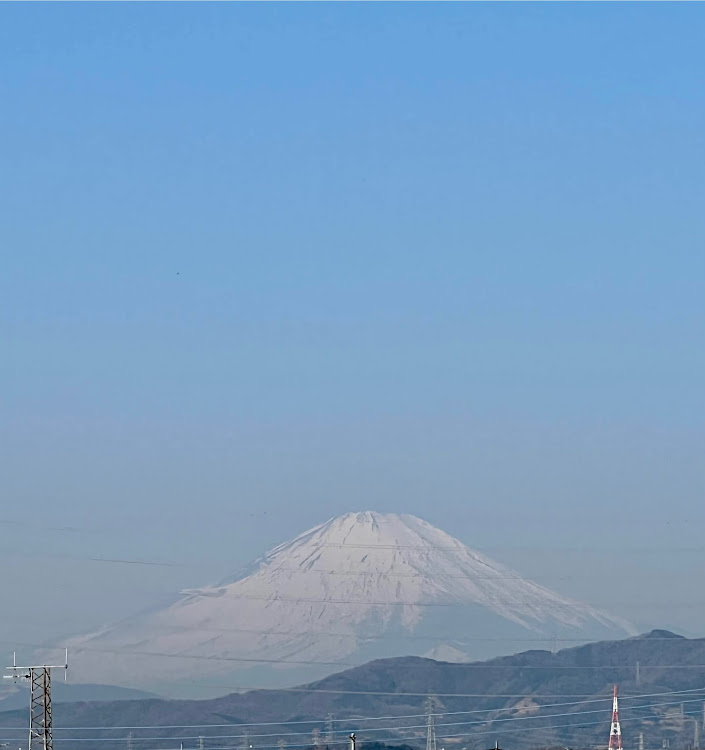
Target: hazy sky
{"x":264,"y":264}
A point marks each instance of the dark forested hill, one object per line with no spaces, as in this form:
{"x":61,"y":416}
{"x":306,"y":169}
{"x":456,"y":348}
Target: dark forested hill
{"x":531,"y":699}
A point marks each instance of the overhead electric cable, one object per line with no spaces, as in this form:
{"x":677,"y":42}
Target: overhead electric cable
{"x":328,"y":691}
{"x":463,"y":665}
{"x":347,"y":720}
{"x":396,"y":737}
{"x":374,"y":729}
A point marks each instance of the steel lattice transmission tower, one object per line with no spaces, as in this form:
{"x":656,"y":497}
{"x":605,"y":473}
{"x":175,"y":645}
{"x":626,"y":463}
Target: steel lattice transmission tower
{"x":615,"y":730}
{"x":41,"y":735}
{"x":431,"y":706}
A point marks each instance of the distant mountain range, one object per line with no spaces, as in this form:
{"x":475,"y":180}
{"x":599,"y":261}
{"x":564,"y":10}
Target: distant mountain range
{"x":15,"y":697}
{"x":532,"y":699}
{"x":358,"y":587}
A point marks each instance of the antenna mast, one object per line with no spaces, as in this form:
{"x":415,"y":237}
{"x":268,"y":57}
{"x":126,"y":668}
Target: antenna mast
{"x":40,"y":718}
{"x":615,"y":730}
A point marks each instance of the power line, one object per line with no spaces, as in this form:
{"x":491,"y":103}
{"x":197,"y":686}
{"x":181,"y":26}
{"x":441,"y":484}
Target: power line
{"x":335,"y":634}
{"x":401,"y":716}
{"x":357,"y":602}
{"x":477,"y":554}
{"x":121,"y":561}
{"x":399,"y":730}
{"x":397,"y":737}
{"x":345,"y":720}
{"x":384,"y":574}
{"x":109,"y":560}
{"x":397,"y":716}
{"x":245,"y":689}
{"x":447,"y":736}
{"x":374,"y":729}
{"x":455,"y":639}
{"x":464,"y":665}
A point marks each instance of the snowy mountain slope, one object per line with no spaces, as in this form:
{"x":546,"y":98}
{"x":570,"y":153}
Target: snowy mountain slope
{"x":358,"y":586}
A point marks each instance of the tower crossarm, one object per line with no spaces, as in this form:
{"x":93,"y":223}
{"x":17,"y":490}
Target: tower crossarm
{"x":41,"y":732}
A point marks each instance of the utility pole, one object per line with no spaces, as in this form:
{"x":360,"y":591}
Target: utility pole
{"x":352,"y":741}
{"x":281,"y":745}
{"x":129,"y":741}
{"x":638,"y":676}
{"x":201,"y":743}
{"x":329,"y":729}
{"x":641,"y":741}
{"x":696,"y":734}
{"x":316,"y":738}
{"x":41,"y":735}
{"x":430,"y":724}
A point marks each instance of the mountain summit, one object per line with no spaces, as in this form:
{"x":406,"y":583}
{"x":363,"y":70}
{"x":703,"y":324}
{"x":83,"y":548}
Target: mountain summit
{"x":359,"y":586}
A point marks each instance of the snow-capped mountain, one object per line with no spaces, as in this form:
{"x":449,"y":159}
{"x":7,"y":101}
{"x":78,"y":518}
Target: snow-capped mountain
{"x":359,"y":586}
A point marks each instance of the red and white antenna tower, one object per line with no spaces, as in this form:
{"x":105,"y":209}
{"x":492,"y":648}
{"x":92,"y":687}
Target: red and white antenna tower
{"x":615,"y":730}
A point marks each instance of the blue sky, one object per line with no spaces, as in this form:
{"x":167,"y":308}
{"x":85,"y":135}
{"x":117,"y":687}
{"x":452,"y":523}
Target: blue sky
{"x":267,"y":263}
